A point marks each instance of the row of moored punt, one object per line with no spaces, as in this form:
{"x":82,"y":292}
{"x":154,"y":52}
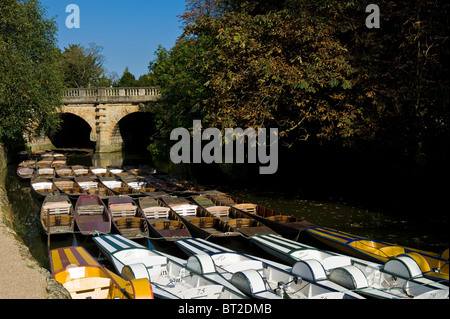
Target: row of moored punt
{"x":115,"y":206}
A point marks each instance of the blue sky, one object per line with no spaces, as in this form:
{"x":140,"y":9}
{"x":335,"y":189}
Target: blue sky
{"x":128,"y":30}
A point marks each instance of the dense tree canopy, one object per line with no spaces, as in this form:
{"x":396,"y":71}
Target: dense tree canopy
{"x":30,"y":82}
{"x":83,"y":67}
{"x":314,"y":70}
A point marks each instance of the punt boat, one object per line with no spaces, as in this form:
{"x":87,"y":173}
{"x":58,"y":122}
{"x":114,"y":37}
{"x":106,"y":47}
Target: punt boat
{"x":118,"y":187}
{"x":64,"y":172}
{"x":42,"y":187}
{"x":286,"y":225}
{"x":100,"y":171}
{"x":92,"y":216}
{"x":81,"y":170}
{"x":168,"y":187}
{"x":162,"y":221}
{"x":69,"y":187}
{"x":265,"y":279}
{"x":434,"y":266}
{"x":170,"y":277}
{"x":25,"y":172}
{"x":200,"y":222}
{"x":45,"y":172}
{"x":398,"y":278}
{"x":94,"y":187}
{"x":127,"y":217}
{"x":85,"y":278}
{"x":57,"y":215}
{"x":237,"y":220}
{"x":140,"y":185}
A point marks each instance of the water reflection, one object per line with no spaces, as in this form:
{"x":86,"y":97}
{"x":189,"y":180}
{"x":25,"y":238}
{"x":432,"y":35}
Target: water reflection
{"x":399,"y":228}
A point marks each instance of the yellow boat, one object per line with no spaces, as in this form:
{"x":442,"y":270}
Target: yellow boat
{"x":85,"y":278}
{"x":434,"y":266}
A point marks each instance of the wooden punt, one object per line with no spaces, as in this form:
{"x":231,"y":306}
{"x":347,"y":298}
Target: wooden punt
{"x":94,"y":187}
{"x":140,"y":170}
{"x":81,"y":170}
{"x":118,"y":187}
{"x":57,"y":162}
{"x":238,"y":220}
{"x":25,"y":172}
{"x":199,"y":220}
{"x":45,"y":172}
{"x":85,"y":278}
{"x":92,"y":215}
{"x":168,"y":187}
{"x":127,"y":217}
{"x":69,"y":187}
{"x":57,"y":215}
{"x":45,"y":162}
{"x":142,"y":186}
{"x":434,"y":266}
{"x":286,"y":225}
{"x":100,"y":171}
{"x":64,"y":172}
{"x":42,"y":187}
{"x":163,"y":223}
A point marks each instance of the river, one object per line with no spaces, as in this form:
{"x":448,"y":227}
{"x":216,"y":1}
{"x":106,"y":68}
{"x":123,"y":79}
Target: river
{"x":414,"y":231}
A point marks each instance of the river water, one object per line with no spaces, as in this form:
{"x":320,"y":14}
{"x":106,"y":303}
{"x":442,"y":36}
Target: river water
{"x":414,"y":231}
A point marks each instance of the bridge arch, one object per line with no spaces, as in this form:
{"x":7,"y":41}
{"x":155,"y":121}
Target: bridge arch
{"x":133,"y":130}
{"x":75,"y":131}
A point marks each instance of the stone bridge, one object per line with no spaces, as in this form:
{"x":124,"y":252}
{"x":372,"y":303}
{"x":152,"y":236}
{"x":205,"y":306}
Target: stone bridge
{"x":103,"y":108}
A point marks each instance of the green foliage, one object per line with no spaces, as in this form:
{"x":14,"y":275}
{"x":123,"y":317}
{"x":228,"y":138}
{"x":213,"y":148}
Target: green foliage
{"x":30,"y":81}
{"x":83,"y":67}
{"x":127,"y":79}
{"x":314,"y":70}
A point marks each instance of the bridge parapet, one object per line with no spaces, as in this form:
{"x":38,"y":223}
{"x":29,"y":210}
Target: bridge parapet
{"x":111,"y":95}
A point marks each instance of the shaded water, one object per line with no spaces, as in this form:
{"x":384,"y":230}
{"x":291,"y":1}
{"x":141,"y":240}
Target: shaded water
{"x":428,"y":233}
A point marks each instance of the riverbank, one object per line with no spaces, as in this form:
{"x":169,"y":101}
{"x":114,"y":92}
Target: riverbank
{"x":21,"y":277}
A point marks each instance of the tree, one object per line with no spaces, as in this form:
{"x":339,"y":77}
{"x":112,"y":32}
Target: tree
{"x":82,"y":67}
{"x":127,"y":79}
{"x":30,"y":80}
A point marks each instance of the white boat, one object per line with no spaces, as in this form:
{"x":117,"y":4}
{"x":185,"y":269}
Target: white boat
{"x":171,"y":277}
{"x":398,"y":278}
{"x":262,"y":278}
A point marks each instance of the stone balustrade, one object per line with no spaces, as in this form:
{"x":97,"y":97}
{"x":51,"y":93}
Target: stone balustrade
{"x":111,"y":95}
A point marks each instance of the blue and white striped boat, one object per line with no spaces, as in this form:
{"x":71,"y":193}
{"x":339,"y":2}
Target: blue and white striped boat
{"x":265,"y":279}
{"x":171,"y":277}
{"x":398,"y":278}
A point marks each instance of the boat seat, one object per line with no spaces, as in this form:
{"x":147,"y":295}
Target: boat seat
{"x":185,"y":210}
{"x":43,"y":186}
{"x":240,"y":222}
{"x":90,"y":210}
{"x":57,"y":208}
{"x":279,"y":218}
{"x":91,"y":287}
{"x":247,"y":207}
{"x":156,"y":212}
{"x":219,"y":211}
{"x":123,"y":210}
